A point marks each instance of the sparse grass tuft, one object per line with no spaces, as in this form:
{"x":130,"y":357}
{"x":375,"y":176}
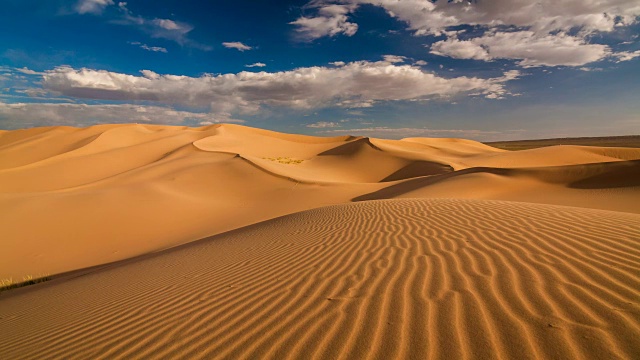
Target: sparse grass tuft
{"x":9,"y":283}
{"x":285,"y":160}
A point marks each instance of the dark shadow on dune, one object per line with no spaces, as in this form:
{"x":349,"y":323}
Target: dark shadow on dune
{"x":420,"y":182}
{"x":611,"y":175}
{"x":589,"y":176}
{"x":350,"y":148}
{"x":417,"y":169}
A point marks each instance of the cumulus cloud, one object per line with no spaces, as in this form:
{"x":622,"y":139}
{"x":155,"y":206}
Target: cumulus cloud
{"x":356,"y":84}
{"x":258,"y":64}
{"x":531,"y":48}
{"x":236,"y":45}
{"x":331,"y":20}
{"x":92,"y":6}
{"x":21,"y":115}
{"x":544,"y":16}
{"x":543,"y":26}
{"x":323,"y":125}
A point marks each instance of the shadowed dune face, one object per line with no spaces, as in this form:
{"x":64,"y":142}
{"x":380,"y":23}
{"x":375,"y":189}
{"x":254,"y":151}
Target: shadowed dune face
{"x":393,"y":279}
{"x":73,"y":198}
{"x":625,"y":174}
{"x":419,"y":169}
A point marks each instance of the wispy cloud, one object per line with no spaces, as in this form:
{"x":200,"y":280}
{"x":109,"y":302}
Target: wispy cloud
{"x":27,"y":71}
{"x":258,"y":64}
{"x":626,"y":55}
{"x":157,"y":28}
{"x":406,"y":132}
{"x":236,"y":45}
{"x":323,"y":125}
{"x":21,"y":115}
{"x":149,"y":48}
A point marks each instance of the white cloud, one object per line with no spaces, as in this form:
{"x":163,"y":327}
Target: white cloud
{"x":460,"y":49}
{"x":167,"y":24}
{"x":394,"y":58}
{"x":20,"y":115}
{"x":34,"y":93}
{"x":356,"y":103}
{"x":150,"y":74}
{"x":323,"y":125}
{"x":331,"y":21}
{"x":527,"y":46}
{"x":236,"y":45}
{"x":337,"y":63}
{"x":92,"y":6}
{"x":626,"y":55}
{"x":543,"y":26}
{"x":356,"y":84}
{"x":149,"y":48}
{"x":153,"y":48}
{"x":389,"y":132}
{"x":590,"y":69}
{"x":258,"y":64}
{"x":420,"y":63}
{"x":27,"y":71}
{"x":543,"y":16}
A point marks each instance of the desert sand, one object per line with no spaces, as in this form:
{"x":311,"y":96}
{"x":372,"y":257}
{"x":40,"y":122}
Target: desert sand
{"x":233,"y":242}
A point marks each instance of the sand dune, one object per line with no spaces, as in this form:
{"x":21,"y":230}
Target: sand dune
{"x":81,"y":197}
{"x":481,"y":253}
{"x":416,"y":278}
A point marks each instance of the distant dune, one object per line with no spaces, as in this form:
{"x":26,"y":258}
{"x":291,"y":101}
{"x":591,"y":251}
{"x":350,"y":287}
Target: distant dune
{"x":608,"y":141}
{"x":343,"y":247}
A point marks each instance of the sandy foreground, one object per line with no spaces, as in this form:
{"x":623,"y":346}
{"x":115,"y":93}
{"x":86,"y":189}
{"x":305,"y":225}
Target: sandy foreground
{"x":233,"y":242}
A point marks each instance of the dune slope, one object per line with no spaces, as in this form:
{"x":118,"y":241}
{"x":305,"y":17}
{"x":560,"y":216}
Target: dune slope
{"x":409,"y":278}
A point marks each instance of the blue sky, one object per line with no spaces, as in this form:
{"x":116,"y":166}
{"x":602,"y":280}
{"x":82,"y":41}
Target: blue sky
{"x":486,"y":70}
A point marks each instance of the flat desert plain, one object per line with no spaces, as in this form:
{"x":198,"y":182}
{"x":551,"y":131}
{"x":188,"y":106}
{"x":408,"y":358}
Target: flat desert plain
{"x":229,"y":242}
{"x":608,"y":141}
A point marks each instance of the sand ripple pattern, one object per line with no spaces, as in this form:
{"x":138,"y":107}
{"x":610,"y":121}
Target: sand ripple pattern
{"x":390,"y":279}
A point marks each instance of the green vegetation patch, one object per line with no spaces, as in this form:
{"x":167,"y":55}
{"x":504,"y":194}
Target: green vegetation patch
{"x":8,"y":284}
{"x":285,"y":160}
